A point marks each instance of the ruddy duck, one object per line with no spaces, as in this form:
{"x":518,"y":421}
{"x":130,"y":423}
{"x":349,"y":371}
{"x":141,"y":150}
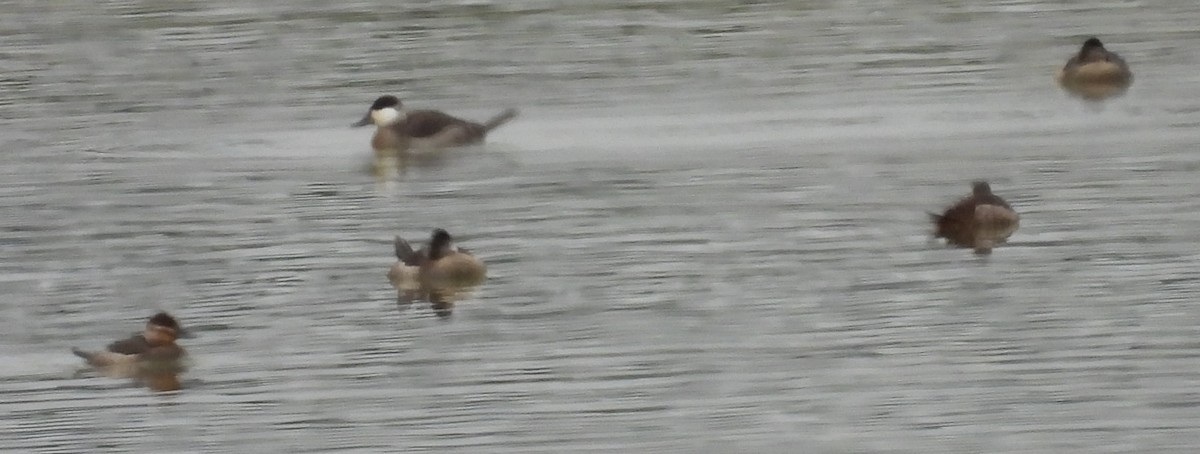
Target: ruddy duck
{"x":400,"y":132}
{"x":980,"y":220}
{"x":440,"y":270}
{"x":1095,"y":72}
{"x":152,"y":355}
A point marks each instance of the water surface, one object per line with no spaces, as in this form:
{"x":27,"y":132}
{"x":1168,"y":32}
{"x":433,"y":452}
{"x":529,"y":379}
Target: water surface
{"x":705,"y":233}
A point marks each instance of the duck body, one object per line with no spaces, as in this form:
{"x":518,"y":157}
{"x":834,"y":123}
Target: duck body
{"x":440,"y":272}
{"x":980,"y":220}
{"x":440,"y":262}
{"x":1095,"y":72}
{"x":152,"y":356}
{"x":401,"y":133}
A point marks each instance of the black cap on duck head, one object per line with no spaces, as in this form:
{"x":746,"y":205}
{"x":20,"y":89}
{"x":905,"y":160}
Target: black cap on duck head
{"x":386,"y":101}
{"x":438,"y":242}
{"x":981,"y":188}
{"x":1092,"y":43}
{"x":165,"y":320}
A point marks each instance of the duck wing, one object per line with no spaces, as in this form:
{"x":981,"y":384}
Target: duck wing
{"x":992,"y":199}
{"x":428,"y":123}
{"x":135,"y":344}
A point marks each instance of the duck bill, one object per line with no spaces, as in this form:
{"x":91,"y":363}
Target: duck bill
{"x":366,"y":120}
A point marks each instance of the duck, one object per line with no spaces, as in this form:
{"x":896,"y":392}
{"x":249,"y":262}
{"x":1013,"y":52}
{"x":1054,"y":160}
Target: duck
{"x":441,"y":271}
{"x":440,"y":261}
{"x":980,"y":220}
{"x":140,"y":343}
{"x":1095,"y":72}
{"x":402,"y":133}
{"x":152,"y":355}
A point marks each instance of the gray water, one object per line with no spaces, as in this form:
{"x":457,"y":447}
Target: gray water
{"x":706,"y":232}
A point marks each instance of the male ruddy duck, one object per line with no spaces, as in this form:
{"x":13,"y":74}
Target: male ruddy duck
{"x":1095,"y":72}
{"x":980,"y":220}
{"x":151,"y":356}
{"x":440,"y":270}
{"x":400,"y":133}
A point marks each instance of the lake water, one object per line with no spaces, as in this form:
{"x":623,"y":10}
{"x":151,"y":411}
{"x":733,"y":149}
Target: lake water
{"x":706,"y":232}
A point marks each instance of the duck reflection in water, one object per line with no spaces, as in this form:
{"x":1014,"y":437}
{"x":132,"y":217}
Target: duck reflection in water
{"x":151,"y":357}
{"x":440,"y":272}
{"x":980,"y":220}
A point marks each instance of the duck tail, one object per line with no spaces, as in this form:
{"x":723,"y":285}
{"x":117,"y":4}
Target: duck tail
{"x":82,"y":354}
{"x":937,"y":223}
{"x":404,"y":251}
{"x":500,"y":119}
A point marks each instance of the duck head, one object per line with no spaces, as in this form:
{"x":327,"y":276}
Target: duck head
{"x":383,"y":112}
{"x":1092,"y":50}
{"x":163,"y":328}
{"x":440,"y":244}
{"x":981,"y":188}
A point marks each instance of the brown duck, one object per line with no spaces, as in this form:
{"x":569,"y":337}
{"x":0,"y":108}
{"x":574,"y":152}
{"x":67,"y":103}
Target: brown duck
{"x":152,"y":356}
{"x":401,"y":133}
{"x":1095,"y":72}
{"x":439,"y":271}
{"x":980,"y":220}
